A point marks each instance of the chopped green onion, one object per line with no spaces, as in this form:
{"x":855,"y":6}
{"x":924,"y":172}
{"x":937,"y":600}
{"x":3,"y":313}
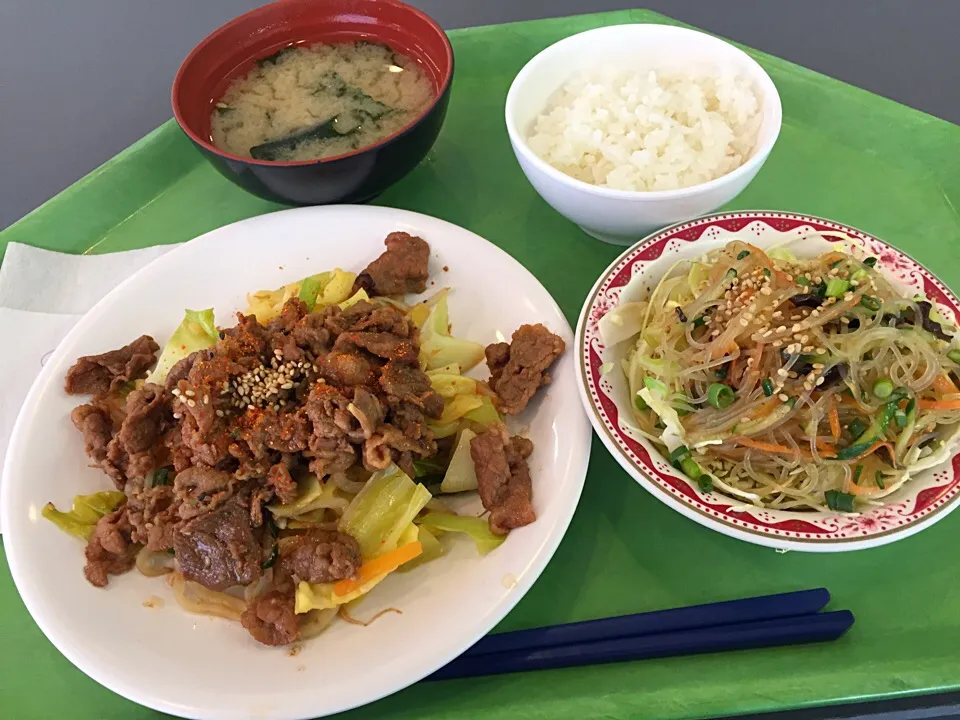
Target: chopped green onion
{"x":954,"y":355}
{"x":836,"y":287}
{"x":870,"y":303}
{"x":870,"y":262}
{"x":721,"y":372}
{"x":731,"y":274}
{"x":900,"y":417}
{"x":660,"y":425}
{"x":699,"y":321}
{"x":883,"y":388}
{"x":743,"y":254}
{"x":835,"y":263}
{"x":878,"y":478}
{"x":679,"y":454}
{"x":720,"y":396}
{"x":766,"y":271}
{"x":859,"y":276}
{"x":837,"y":500}
{"x":911,"y":406}
{"x":857,"y":428}
{"x":690,"y":468}
{"x":857,"y":471}
{"x":767,"y":387}
{"x":639,"y":403}
{"x":792,"y":401}
{"x":803,"y":280}
{"x":705,"y":483}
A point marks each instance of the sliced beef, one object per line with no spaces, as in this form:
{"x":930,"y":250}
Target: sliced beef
{"x":410,"y":384}
{"x":97,"y":428}
{"x":271,"y":620}
{"x":310,"y":334}
{"x":99,"y":374}
{"x":519,"y":369}
{"x":400,"y":270}
{"x":368,"y":411}
{"x":503,"y":479}
{"x":110,"y":550}
{"x":138,"y":447}
{"x":181,"y":370}
{"x":384,"y":345}
{"x":292,"y":312}
{"x":200,"y":489}
{"x":367,"y":317}
{"x":320,"y":556}
{"x":348,"y":368}
{"x":286,"y":432}
{"x":282,"y":484}
{"x":152,"y":512}
{"x":218,"y":549}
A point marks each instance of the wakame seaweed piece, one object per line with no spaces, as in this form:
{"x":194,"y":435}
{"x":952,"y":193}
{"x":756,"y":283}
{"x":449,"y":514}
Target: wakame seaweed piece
{"x":326,"y":130}
{"x":332,"y":82}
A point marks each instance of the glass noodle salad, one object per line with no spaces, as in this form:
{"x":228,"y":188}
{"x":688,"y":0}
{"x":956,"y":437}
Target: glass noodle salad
{"x":790,"y":384}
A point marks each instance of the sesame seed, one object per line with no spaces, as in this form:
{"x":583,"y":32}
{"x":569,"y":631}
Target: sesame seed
{"x":191,"y":403}
{"x":768,"y":333}
{"x":778,"y":314}
{"x":176,"y":392}
{"x":765,"y":290}
{"x":744,"y":322}
{"x":220,"y":413}
{"x":781,"y":329}
{"x":206,"y":399}
{"x":190,"y":393}
{"x":745,"y":419}
{"x":781,"y":372}
{"x":783,"y":397}
{"x":819,"y":381}
{"x":177,"y":416}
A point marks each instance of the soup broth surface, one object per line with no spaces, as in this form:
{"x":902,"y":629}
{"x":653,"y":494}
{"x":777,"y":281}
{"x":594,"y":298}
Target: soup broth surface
{"x":307,"y":103}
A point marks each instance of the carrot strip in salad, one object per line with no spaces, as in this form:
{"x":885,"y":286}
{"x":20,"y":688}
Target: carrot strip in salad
{"x":834,"y":415}
{"x":939,"y":404}
{"x":944,"y":385}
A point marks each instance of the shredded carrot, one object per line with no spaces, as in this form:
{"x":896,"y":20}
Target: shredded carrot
{"x":825,"y":447}
{"x":939,"y":404}
{"x":944,"y":385}
{"x":834,"y":418}
{"x":377,"y":567}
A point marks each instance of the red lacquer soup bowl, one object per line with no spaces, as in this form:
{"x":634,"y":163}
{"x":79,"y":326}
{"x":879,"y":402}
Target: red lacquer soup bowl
{"x":357,"y":176}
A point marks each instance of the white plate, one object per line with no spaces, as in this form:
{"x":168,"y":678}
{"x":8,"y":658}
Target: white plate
{"x":928,"y":497}
{"x":201,"y":667}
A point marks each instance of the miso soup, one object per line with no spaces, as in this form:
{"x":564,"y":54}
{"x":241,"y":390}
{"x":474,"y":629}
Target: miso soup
{"x":306,"y":103}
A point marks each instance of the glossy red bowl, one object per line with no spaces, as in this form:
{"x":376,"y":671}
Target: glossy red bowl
{"x":360,"y":175}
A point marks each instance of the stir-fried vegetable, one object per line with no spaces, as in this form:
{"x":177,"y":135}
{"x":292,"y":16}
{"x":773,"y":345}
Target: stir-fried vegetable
{"x":86,"y":511}
{"x":438,"y":348}
{"x":197,"y":331}
{"x":476,"y":528}
{"x":461,"y":474}
{"x":382,"y":510}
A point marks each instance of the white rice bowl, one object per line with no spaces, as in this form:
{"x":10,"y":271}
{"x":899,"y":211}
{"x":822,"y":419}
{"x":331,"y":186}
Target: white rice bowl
{"x":643,"y":129}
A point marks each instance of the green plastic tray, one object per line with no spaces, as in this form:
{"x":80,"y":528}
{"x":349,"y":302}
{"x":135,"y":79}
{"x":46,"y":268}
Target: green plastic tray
{"x":844,"y":154}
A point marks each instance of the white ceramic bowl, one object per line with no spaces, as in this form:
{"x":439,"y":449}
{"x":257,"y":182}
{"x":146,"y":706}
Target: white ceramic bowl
{"x":619,"y":216}
{"x":929,"y":496}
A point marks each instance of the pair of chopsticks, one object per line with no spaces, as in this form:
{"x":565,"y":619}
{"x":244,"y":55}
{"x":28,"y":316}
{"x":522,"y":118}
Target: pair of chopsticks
{"x":767,"y":621}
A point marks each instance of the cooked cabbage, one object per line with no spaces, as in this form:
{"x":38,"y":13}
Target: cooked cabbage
{"x":86,"y":511}
{"x":197,"y":331}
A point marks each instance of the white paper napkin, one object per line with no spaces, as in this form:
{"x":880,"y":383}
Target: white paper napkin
{"x":42,"y":295}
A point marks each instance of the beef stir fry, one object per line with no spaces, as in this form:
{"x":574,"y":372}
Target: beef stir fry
{"x":280,"y":468}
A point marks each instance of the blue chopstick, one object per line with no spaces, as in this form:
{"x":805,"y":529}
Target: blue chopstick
{"x":739,"y":636}
{"x":767,"y":607}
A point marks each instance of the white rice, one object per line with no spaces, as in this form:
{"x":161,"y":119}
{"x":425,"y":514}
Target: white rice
{"x":633,"y":129}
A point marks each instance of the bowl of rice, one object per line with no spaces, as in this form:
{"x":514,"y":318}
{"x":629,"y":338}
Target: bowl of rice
{"x":629,"y":128}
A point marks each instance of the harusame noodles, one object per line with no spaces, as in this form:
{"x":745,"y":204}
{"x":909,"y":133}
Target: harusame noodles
{"x":305,"y":103}
{"x":787,"y":383}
